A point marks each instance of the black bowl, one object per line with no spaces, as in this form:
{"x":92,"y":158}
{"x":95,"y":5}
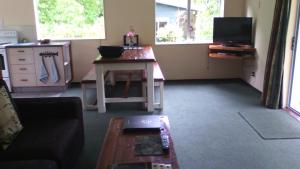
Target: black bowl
{"x":111,"y":51}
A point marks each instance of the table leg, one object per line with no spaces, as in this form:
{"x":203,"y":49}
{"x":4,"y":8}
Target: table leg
{"x":150,"y":87}
{"x":112,"y":78}
{"x":100,"y":88}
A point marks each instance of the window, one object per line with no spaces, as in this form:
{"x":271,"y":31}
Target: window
{"x":69,"y":19}
{"x":183,"y":21}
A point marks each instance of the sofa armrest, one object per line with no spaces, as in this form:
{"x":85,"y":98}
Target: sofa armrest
{"x":26,"y":164}
{"x":49,"y":107}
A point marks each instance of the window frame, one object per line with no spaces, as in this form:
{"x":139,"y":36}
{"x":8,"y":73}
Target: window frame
{"x":222,"y":8}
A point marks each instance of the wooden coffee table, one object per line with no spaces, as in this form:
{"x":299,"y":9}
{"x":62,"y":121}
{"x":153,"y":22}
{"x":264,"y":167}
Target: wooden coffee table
{"x":118,"y":147}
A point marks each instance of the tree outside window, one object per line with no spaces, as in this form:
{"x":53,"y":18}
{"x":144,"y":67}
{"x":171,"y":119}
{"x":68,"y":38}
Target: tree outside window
{"x":70,"y":19}
{"x":188,"y":20}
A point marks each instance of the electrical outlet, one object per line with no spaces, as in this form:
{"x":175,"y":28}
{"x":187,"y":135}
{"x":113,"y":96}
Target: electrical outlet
{"x":252,"y":74}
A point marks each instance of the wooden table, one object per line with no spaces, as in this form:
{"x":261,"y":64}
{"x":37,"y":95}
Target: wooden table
{"x":118,"y":147}
{"x":131,"y":59}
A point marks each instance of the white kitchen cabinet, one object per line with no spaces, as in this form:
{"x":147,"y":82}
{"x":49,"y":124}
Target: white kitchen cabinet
{"x":52,"y":58}
{"x":40,"y":67}
{"x":20,"y":61}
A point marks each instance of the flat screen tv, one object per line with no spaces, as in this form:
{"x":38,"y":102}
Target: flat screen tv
{"x":232,"y":30}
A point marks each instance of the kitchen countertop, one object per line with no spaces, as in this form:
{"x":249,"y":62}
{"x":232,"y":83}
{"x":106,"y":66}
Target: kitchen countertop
{"x":32,"y":44}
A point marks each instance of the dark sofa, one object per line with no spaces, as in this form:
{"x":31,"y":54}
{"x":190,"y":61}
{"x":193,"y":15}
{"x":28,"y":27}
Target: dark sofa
{"x":52,"y":137}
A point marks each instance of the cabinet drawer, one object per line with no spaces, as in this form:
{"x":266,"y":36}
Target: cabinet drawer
{"x":20,"y":51}
{"x":19,"y":80}
{"x":21,"y":69}
{"x":21,"y":59}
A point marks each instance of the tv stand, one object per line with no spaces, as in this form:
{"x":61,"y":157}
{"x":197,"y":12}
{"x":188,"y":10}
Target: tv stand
{"x":235,"y":51}
{"x":231,"y":45}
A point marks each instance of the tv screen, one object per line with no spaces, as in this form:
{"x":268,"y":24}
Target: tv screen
{"x":232,"y":30}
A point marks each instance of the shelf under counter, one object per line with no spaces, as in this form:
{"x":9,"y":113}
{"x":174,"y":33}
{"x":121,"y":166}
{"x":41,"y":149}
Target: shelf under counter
{"x":228,"y":56}
{"x":238,"y":52}
{"x":241,"y":48}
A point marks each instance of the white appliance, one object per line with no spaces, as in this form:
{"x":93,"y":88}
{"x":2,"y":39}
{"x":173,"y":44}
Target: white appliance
{"x":6,"y":38}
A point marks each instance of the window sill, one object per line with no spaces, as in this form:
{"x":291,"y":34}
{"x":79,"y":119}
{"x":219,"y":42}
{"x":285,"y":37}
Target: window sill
{"x":74,"y":39}
{"x":207,"y":42}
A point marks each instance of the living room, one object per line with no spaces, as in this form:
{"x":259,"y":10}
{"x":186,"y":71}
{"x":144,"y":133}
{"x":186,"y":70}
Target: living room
{"x":142,"y":15}
{"x":194,"y":84}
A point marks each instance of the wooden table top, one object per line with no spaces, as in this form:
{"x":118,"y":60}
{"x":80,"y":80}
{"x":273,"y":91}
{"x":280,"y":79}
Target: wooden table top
{"x":143,"y":54}
{"x":118,"y":147}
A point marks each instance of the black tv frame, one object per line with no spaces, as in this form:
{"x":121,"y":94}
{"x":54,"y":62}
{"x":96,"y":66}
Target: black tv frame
{"x":225,"y":39}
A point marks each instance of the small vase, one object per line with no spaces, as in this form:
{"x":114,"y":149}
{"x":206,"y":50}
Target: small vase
{"x":131,"y":44}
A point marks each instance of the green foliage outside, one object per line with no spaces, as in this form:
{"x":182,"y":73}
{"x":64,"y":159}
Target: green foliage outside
{"x":61,"y":19}
{"x":92,"y":9}
{"x":204,"y":21}
{"x":203,"y":12}
{"x":169,"y":33}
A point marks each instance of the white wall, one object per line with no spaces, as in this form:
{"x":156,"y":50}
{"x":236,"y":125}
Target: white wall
{"x":177,"y":61}
{"x":262,"y":12}
{"x":234,"y":8}
{"x":19,"y":16}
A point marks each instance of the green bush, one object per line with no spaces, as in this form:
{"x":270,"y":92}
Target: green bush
{"x":61,"y":19}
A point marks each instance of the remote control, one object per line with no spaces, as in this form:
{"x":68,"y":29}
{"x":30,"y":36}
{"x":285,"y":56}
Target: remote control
{"x":168,"y":166}
{"x":165,"y":141}
{"x":161,"y":166}
{"x":157,"y":166}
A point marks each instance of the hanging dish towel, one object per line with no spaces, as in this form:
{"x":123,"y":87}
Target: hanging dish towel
{"x":54,"y":72}
{"x":43,"y":71}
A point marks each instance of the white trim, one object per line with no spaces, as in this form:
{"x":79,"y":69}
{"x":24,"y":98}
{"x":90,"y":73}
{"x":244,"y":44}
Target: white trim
{"x":204,"y":42}
{"x":74,"y":39}
{"x":36,"y":18}
{"x":293,"y":58}
{"x":222,"y":8}
{"x":189,"y":19}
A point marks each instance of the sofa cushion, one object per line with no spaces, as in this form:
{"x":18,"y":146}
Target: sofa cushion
{"x":52,"y":139}
{"x":28,"y":164}
{"x":10,"y":124}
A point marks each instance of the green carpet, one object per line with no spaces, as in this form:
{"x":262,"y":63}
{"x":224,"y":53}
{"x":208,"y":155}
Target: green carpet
{"x":208,"y":132}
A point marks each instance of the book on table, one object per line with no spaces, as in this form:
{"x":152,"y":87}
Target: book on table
{"x":140,"y":165}
{"x":145,"y":165}
{"x":147,"y":122}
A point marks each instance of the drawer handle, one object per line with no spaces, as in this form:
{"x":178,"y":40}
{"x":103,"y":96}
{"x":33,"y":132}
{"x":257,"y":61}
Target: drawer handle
{"x":21,"y":51}
{"x":22,"y":60}
{"x":24,"y":80}
{"x":23,"y":68}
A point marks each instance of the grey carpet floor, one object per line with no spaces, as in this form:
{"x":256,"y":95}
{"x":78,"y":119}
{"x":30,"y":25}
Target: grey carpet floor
{"x":207,"y":130}
{"x":273,"y":124}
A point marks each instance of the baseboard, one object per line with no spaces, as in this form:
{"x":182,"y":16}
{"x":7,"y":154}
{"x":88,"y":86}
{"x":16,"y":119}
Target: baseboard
{"x":293,"y":113}
{"x":246,"y":83}
{"x":205,"y":80}
{"x":230,"y":80}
